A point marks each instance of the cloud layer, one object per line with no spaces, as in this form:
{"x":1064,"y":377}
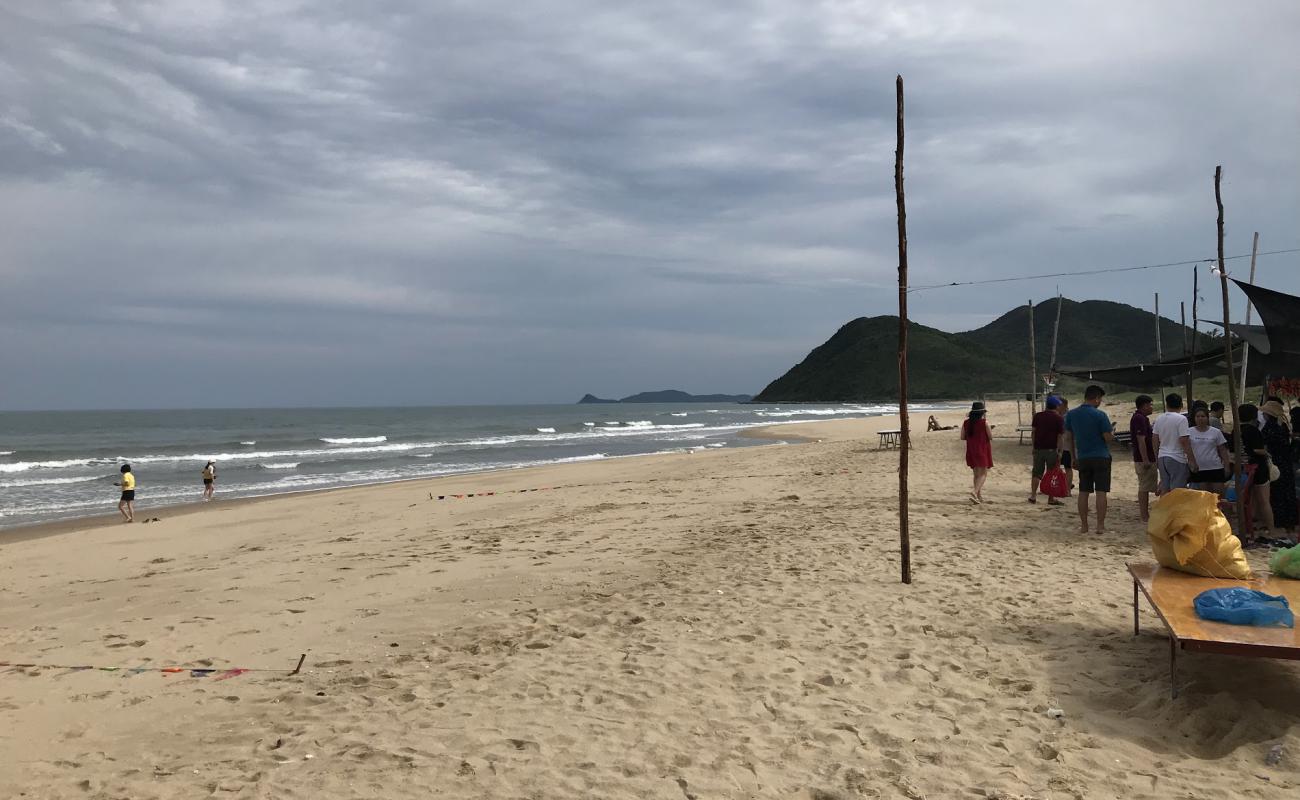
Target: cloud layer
{"x":221,"y":203}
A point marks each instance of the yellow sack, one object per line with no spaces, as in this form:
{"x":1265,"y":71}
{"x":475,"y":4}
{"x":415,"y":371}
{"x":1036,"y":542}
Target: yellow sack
{"x":1189,"y":533}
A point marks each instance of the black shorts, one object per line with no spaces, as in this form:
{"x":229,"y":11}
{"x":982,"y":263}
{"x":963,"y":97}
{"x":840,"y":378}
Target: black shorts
{"x":1066,"y":461}
{"x":1094,"y":475}
{"x":128,"y":495}
{"x":1209,"y":476}
{"x":207,"y":481}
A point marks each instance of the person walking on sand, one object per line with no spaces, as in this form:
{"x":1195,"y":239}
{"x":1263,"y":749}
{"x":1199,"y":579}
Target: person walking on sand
{"x":126,"y":504}
{"x":209,"y":480}
{"x":979,"y":448}
{"x":1048,"y":429}
{"x":1174,"y":455}
{"x":1144,"y":454}
{"x":1088,"y":433}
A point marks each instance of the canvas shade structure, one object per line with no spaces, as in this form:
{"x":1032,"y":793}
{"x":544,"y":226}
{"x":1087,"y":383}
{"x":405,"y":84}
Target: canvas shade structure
{"x":1280,"y":314}
{"x":1164,"y":373}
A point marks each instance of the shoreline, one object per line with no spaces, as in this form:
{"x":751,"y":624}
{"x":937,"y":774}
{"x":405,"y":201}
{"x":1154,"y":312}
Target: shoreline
{"x":108,"y":520}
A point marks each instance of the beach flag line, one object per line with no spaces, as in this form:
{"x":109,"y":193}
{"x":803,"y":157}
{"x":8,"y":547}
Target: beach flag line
{"x":215,"y":673}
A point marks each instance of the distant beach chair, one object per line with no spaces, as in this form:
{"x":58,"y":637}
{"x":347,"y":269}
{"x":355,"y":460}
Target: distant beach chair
{"x":1170,"y":594}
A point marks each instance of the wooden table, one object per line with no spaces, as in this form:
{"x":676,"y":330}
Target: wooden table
{"x":1171,"y":593}
{"x":890,"y":439}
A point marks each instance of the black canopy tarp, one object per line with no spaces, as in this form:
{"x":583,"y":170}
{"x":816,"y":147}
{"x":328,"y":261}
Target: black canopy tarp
{"x":1162,"y":373}
{"x":1280,"y":313}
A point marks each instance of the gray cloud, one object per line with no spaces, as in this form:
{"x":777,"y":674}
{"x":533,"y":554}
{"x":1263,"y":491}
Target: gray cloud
{"x":287,"y":202}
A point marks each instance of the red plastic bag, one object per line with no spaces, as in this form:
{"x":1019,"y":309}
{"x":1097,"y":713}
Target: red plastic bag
{"x":1054,"y":483}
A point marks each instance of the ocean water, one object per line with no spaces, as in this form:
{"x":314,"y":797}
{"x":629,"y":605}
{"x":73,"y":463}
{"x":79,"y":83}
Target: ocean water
{"x":58,"y":465}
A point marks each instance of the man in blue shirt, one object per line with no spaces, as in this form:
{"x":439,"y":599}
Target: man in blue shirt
{"x":1088,"y":433}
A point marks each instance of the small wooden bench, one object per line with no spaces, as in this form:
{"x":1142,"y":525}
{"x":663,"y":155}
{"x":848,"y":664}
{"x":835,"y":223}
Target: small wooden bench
{"x":1171,"y":593}
{"x":1022,"y":430}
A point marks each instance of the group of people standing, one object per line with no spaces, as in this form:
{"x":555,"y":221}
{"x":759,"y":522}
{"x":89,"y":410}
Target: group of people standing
{"x":1193,"y":451}
{"x":1174,"y":450}
{"x":126,"y":503}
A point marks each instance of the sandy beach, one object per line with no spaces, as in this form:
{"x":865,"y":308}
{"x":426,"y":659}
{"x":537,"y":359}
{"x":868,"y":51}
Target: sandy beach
{"x":723,"y":624}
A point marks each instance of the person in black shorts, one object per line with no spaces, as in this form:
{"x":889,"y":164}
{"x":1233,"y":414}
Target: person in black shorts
{"x":209,"y":480}
{"x":126,"y":504}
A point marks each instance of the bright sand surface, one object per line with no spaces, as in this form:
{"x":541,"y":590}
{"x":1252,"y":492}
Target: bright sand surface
{"x":723,"y":624}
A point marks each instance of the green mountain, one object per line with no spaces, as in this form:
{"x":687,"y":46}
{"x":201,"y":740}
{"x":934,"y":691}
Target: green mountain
{"x":860,"y":362}
{"x":1093,"y":333}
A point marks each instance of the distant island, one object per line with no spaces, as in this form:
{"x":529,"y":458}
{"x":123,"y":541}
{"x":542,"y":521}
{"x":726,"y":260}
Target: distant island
{"x":670,"y":396}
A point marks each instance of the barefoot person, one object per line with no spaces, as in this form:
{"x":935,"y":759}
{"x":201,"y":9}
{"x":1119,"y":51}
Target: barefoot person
{"x":1088,"y":433}
{"x":979,"y":448}
{"x":1048,"y":430}
{"x":126,"y":504}
{"x":1144,"y":454}
{"x":209,"y":480}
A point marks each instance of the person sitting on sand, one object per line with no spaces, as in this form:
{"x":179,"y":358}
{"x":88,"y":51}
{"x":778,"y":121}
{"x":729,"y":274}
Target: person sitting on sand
{"x":126,"y":504}
{"x":1048,"y":428}
{"x":1088,"y":433}
{"x":933,"y":425}
{"x":979,"y":448}
{"x":209,"y":480}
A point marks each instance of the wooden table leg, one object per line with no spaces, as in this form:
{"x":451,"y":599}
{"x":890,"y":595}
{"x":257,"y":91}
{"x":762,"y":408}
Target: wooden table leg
{"x":1135,"y":607}
{"x":1173,"y":666}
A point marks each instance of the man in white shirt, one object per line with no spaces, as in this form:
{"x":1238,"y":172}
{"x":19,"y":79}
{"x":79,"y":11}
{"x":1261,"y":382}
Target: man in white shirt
{"x":1174,"y":456}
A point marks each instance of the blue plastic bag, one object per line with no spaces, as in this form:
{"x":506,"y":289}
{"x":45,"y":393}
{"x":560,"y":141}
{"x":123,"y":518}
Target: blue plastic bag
{"x":1244,"y":607}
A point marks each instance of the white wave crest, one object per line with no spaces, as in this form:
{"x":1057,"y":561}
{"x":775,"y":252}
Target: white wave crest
{"x":680,"y":413}
{"x":6,"y":452}
{"x":546,"y":430}
{"x":281,"y":465}
{"x":45,"y":481}
{"x":589,"y":424}
{"x":356,"y":440}
{"x":23,"y":466}
{"x":249,"y":443}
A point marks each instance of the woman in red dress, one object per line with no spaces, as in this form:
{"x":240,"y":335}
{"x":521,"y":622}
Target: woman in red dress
{"x":979,"y":448}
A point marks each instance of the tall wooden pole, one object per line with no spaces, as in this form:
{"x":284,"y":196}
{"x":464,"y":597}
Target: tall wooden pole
{"x":1056,"y":330}
{"x":1160,"y":355}
{"x":1196,"y":324}
{"x":1237,"y":437}
{"x":1245,"y":352}
{"x":1033,"y":362}
{"x":905,"y":541}
{"x":1182,"y":313}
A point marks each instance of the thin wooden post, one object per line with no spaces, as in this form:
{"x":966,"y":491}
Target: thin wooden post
{"x":1056,"y":330}
{"x":1033,"y":362}
{"x":1196,"y":328}
{"x":905,"y":542}
{"x":1160,"y":355}
{"x":1182,"y":314}
{"x":1245,"y":353}
{"x":1237,"y":444}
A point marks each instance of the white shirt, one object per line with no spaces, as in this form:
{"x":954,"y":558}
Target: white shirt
{"x":1170,"y":427}
{"x":1205,"y":446}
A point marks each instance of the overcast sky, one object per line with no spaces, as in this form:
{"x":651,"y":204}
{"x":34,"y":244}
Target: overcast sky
{"x":210,"y":203}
